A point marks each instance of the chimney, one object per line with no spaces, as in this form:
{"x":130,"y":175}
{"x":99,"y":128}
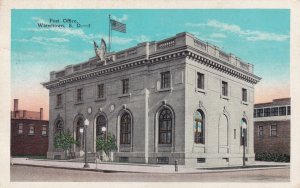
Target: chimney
{"x":41,"y":113}
{"x":16,"y":104}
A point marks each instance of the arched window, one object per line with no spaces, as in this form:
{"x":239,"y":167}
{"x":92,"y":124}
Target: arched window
{"x":165,"y":127}
{"x":125,"y":130}
{"x":59,"y":127}
{"x":101,"y":126}
{"x":80,"y":124}
{"x":199,"y":125}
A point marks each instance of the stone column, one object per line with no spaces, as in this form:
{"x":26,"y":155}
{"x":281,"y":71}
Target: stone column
{"x":146,"y":124}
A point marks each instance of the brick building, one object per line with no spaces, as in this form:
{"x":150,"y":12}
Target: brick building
{"x":29,"y":132}
{"x":175,"y":99}
{"x":272,"y":126}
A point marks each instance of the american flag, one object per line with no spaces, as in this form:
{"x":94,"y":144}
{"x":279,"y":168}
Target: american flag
{"x":118,"y":26}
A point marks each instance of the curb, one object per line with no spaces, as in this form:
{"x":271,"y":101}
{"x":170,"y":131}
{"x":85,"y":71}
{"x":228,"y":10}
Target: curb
{"x":124,"y":171}
{"x":71,"y":168}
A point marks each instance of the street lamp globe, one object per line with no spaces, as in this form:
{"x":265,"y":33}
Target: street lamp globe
{"x":86,"y":122}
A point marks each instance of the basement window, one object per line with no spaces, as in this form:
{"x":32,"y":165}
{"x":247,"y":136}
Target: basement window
{"x":162,"y":160}
{"x":201,"y":160}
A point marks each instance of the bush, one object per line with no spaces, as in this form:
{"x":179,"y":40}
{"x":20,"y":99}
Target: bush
{"x":276,"y":157}
{"x":106,"y":144}
{"x":64,"y":141}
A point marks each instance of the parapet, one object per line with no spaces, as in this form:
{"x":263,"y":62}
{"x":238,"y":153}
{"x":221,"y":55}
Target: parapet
{"x":147,"y":50}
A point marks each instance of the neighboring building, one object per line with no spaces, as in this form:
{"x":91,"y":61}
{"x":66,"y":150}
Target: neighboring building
{"x":272,"y":126}
{"x":29,"y":132}
{"x":175,"y":99}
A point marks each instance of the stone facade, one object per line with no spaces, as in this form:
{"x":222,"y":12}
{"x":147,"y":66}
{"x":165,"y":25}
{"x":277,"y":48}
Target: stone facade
{"x":266,"y":122}
{"x":170,"y":82}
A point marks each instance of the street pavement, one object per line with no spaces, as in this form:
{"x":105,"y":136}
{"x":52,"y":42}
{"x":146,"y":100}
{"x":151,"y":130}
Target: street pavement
{"x":20,"y":173}
{"x":139,"y":168}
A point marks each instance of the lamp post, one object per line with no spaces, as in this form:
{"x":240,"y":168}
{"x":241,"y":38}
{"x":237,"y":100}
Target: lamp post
{"x":81,"y":141}
{"x":86,"y":123}
{"x":244,"y":127}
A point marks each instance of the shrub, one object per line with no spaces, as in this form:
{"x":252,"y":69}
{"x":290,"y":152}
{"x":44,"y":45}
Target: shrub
{"x":64,"y":141}
{"x":106,"y":144}
{"x":276,"y":157}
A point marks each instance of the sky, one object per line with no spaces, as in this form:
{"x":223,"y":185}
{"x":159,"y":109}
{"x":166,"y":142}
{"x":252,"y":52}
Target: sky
{"x":257,"y":36}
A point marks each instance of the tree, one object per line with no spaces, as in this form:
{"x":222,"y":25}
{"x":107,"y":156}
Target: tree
{"x":64,"y":141}
{"x":106,"y":144}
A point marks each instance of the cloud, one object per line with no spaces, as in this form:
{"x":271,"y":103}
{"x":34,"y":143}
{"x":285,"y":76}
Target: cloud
{"x":44,"y":40}
{"x":250,"y":35}
{"x":217,"y":35}
{"x":122,"y":19}
{"x":40,"y":20}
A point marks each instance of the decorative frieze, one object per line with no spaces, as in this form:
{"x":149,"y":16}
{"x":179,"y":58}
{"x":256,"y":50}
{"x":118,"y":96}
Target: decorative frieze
{"x":131,"y":52}
{"x":200,"y":44}
{"x":76,"y":68}
{"x":166,"y":44}
{"x":244,"y":66}
{"x":60,"y":74}
{"x":121,"y":55}
{"x":222,"y":68}
{"x":224,"y":56}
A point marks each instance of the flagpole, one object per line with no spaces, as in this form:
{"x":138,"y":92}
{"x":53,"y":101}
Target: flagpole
{"x":109,"y":33}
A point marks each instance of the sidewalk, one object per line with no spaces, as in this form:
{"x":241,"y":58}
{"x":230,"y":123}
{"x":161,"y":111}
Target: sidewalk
{"x":139,"y":168}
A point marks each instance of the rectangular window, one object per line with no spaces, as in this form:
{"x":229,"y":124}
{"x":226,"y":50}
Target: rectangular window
{"x":165,"y":80}
{"x":200,"y":81}
{"x":58,"y":100}
{"x":100,"y":90}
{"x":289,"y":110}
{"x":44,"y":130}
{"x":273,"y":130}
{"x":31,"y":129}
{"x":274,"y":111}
{"x":244,"y":95}
{"x":79,"y":94}
{"x":260,"y":131}
{"x":20,"y":128}
{"x":125,"y":84}
{"x":224,"y":88}
{"x":234,"y":133}
{"x":267,"y":112}
{"x":282,"y":111}
{"x":260,"y":112}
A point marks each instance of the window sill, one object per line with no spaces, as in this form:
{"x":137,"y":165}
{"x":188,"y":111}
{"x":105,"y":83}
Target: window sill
{"x":100,"y":99}
{"x":245,"y":102}
{"x":78,"y":102}
{"x":125,"y":145}
{"x":30,"y":134}
{"x":170,"y":89}
{"x":199,"y":145}
{"x":224,"y":97}
{"x":45,"y":135}
{"x":164,"y":145}
{"x":200,"y":90}
{"x":125,"y":95}
{"x":59,"y":107}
